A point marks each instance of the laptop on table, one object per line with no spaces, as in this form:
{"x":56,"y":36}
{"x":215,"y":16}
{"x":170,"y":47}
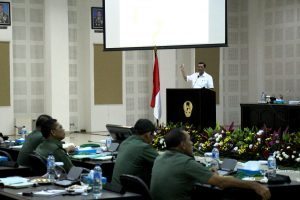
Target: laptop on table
{"x":72,"y":177}
{"x":227,"y":167}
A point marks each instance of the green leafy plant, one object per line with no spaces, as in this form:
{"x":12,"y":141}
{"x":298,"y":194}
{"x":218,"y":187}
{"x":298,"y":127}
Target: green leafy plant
{"x":242,"y":144}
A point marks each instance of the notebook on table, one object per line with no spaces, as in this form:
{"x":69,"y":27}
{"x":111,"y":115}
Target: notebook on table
{"x":227,"y":167}
{"x":15,"y":182}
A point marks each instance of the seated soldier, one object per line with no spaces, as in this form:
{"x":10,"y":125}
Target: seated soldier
{"x":175,"y":172}
{"x":32,"y":141}
{"x":136,"y":154}
{"x":53,"y":132}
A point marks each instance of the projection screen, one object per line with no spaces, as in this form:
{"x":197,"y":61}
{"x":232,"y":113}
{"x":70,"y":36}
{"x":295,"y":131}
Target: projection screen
{"x":166,"y":24}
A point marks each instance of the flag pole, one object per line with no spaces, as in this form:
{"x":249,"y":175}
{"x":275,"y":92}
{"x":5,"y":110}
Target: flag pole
{"x":155,"y":52}
{"x":155,"y":100}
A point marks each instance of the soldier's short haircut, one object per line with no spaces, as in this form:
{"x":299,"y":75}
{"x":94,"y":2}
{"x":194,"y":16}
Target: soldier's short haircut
{"x":174,"y":138}
{"x":42,"y":119}
{"x":47,"y":127}
{"x":143,"y":126}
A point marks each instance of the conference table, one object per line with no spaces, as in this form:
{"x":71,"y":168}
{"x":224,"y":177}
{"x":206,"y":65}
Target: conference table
{"x":106,"y":165}
{"x":278,"y":191}
{"x":16,"y":194}
{"x":10,"y":193}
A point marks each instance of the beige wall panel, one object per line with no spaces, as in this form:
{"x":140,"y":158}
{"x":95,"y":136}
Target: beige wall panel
{"x":211,"y":56}
{"x":107,"y":76}
{"x":4,"y":74}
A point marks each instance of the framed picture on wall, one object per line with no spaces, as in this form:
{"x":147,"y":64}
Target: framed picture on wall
{"x":5,"y":13}
{"x":97,"y":18}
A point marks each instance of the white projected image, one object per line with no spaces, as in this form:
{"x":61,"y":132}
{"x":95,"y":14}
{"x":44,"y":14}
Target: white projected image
{"x":167,"y":23}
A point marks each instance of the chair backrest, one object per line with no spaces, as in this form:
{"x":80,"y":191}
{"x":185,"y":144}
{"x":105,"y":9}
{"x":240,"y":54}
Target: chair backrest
{"x":4,"y":153}
{"x":135,"y":184}
{"x":38,"y":165}
{"x":200,"y":190}
{"x":232,"y":193}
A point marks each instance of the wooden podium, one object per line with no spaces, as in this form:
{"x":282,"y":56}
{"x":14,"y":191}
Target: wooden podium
{"x":193,"y":106}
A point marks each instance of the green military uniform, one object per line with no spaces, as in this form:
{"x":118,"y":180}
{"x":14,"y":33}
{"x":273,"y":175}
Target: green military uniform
{"x":31,"y":142}
{"x":174,"y":174}
{"x":135,"y":157}
{"x":55,"y":147}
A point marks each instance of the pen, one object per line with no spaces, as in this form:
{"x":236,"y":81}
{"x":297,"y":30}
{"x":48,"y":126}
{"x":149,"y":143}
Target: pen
{"x":28,"y":194}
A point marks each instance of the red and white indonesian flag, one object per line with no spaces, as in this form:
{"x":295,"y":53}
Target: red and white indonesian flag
{"x":155,"y":101}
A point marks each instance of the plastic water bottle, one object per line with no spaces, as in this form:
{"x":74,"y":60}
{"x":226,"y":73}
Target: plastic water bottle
{"x":108,"y":143}
{"x":97,"y":182}
{"x":215,"y":153}
{"x":271,"y":166}
{"x":51,"y":167}
{"x":215,"y":158}
{"x":23,"y":132}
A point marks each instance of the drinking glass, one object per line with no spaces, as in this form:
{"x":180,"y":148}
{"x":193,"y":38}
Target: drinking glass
{"x":59,"y":170}
{"x":85,"y":181}
{"x":207,"y":160}
{"x":264,"y":179}
{"x":263,"y":172}
{"x":58,"y":173}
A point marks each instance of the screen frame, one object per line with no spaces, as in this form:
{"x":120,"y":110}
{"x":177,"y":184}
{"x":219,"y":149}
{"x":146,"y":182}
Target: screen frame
{"x":105,"y":48}
{"x":6,"y":10}
{"x":119,"y":133}
{"x":94,"y":11}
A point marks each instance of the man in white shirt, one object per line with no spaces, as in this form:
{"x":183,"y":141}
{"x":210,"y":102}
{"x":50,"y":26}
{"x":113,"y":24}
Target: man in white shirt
{"x":199,"y":79}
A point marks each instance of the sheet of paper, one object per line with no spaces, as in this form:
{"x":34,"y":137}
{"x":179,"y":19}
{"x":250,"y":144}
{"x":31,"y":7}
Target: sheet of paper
{"x":49,"y":192}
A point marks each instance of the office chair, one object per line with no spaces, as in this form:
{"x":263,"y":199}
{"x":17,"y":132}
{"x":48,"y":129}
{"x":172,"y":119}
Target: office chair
{"x":135,"y":184}
{"x":4,"y":153}
{"x":10,"y":162}
{"x":200,"y":190}
{"x":38,"y":165}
